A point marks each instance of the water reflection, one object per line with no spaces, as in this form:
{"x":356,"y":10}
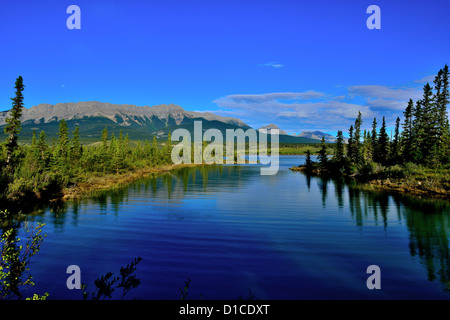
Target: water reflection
{"x":426,"y":221}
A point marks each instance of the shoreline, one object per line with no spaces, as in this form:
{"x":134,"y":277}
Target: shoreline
{"x":401,"y":186}
{"x":107,"y":182}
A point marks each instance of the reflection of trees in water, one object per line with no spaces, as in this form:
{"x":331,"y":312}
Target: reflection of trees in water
{"x":428,"y":227}
{"x":427,"y":221}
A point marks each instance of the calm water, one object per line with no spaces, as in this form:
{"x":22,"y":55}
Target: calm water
{"x":229,"y":230}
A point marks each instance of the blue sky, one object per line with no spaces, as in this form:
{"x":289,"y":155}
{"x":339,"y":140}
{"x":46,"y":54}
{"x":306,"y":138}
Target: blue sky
{"x":303,"y":65}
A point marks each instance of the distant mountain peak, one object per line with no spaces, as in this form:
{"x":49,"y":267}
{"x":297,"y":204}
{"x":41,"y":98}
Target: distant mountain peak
{"x":317,"y":135}
{"x":271,"y":126}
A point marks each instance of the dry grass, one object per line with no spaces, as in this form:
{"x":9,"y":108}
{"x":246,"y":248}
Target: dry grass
{"x":91,"y":184}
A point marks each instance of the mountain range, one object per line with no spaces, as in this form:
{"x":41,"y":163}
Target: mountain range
{"x":139,"y":122}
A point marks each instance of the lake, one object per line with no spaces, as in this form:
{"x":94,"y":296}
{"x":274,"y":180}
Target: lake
{"x":233,"y":231}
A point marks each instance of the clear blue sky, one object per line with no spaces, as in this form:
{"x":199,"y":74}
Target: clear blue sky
{"x":299,"y":64}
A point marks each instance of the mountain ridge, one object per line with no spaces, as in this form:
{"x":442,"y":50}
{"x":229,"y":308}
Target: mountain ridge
{"x":127,"y":113}
{"x":141,"y":122}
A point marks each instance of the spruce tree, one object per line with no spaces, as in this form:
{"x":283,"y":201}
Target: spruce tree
{"x":428,"y":122}
{"x":374,"y":138}
{"x":367,"y":150}
{"x":395,"y":149}
{"x":168,"y":149}
{"x":418,"y":133}
{"x":63,"y":143}
{"x":105,"y":140}
{"x":442,"y":101}
{"x":350,"y":146}
{"x":323,"y":154}
{"x":383,"y":144}
{"x":13,"y":126}
{"x":308,"y":161}
{"x":357,"y":140}
{"x":406,"y":136}
{"x":339,"y":148}
{"x":43,"y":150}
{"x":75,"y":147}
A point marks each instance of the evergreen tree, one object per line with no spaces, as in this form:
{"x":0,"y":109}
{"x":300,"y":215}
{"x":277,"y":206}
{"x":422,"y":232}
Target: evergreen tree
{"x":75,"y":147}
{"x":357,"y":154}
{"x":31,"y":161}
{"x":126,"y":145}
{"x":418,"y":133}
{"x":395,"y":149}
{"x":374,"y":139}
{"x":339,"y":148}
{"x":442,"y":97}
{"x":308,"y":161}
{"x":407,"y":133}
{"x":350,"y":145}
{"x":42,"y":148}
{"x":154,"y":151}
{"x":383,"y":144}
{"x":13,"y":126}
{"x":147,"y":150}
{"x":428,"y":115}
{"x":105,"y":140}
{"x":63,"y":143}
{"x":323,"y":154}
{"x":367,"y":151}
{"x":168,"y":149}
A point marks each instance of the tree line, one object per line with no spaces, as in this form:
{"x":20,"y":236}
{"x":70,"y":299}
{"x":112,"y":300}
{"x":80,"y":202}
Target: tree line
{"x":43,"y":169}
{"x":422,"y":138}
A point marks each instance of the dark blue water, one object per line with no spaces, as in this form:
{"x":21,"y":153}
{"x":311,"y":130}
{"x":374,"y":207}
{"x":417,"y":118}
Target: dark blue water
{"x":231,"y":230}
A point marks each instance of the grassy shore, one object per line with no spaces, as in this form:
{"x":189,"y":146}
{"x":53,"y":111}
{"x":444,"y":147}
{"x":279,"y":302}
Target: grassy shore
{"x":89,"y":184}
{"x":408,"y":179}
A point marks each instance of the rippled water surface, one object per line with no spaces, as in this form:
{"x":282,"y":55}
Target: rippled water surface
{"x":231,"y":230}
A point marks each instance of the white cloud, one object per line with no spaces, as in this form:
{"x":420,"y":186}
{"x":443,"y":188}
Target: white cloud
{"x":383,"y":92}
{"x":426,"y":79}
{"x":295,"y":111}
{"x":272,"y":64}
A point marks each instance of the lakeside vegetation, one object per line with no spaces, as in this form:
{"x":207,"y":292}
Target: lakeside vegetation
{"x":417,"y":158}
{"x":302,"y":149}
{"x":43,"y":171}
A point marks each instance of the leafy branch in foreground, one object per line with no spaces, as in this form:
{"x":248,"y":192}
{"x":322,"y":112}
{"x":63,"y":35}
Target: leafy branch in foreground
{"x":106,"y":284}
{"x":184,"y":291}
{"x":15,"y":258}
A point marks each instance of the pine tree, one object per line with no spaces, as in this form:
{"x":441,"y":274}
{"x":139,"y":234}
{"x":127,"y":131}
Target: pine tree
{"x":367,"y":151}
{"x":395,"y":149}
{"x":75,"y":147}
{"x":168,"y":149}
{"x":383,"y":144}
{"x":13,"y":126}
{"x":323,"y":154}
{"x":308,"y":161}
{"x":63,"y":143}
{"x":339,"y":148}
{"x":350,"y":145}
{"x":428,"y":122}
{"x":31,"y":161}
{"x":357,"y":154}
{"x":42,"y":148}
{"x":442,"y":100}
{"x":105,"y":140}
{"x":374,"y":139}
{"x":406,"y":136}
{"x":418,"y":133}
